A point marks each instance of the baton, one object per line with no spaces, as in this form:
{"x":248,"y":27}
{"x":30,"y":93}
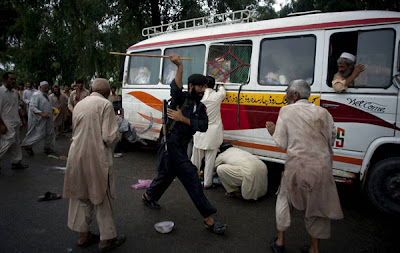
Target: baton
{"x":149,"y":55}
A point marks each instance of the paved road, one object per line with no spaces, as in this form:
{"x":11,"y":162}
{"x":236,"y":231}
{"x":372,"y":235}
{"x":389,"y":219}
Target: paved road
{"x":30,"y":226}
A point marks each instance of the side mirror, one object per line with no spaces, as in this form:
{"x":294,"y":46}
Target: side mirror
{"x":396,"y":81}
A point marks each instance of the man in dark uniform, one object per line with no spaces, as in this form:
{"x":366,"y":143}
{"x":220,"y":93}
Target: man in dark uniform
{"x":187,"y":115}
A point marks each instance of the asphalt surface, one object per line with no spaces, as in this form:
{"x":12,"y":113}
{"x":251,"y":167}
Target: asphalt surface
{"x":27,"y":225}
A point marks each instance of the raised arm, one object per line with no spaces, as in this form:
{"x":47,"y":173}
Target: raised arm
{"x":175,"y":59}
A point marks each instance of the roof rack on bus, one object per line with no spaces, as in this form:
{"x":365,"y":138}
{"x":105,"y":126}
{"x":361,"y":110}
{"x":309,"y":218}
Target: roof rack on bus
{"x":241,"y":16}
{"x":303,"y":13}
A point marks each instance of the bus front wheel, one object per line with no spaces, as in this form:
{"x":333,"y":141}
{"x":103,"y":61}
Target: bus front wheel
{"x":383,"y":185}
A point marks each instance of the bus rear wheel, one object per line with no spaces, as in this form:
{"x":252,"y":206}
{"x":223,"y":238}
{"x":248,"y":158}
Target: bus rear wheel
{"x":383,"y":185}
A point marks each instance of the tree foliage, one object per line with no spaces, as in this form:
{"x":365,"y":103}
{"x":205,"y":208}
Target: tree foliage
{"x":63,"y":40}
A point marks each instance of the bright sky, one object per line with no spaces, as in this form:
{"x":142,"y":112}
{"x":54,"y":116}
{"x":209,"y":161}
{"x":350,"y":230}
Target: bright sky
{"x":277,"y":4}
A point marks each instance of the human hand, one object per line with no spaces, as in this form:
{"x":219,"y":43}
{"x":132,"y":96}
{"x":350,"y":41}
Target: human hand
{"x":175,"y":115}
{"x":270,"y":127}
{"x":3,"y":129}
{"x":44,"y":115}
{"x":359,"y":68}
{"x":175,"y":59}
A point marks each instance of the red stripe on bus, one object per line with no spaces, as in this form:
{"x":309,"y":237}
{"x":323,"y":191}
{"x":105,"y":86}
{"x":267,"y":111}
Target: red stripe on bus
{"x":336,"y":158}
{"x":276,"y":30}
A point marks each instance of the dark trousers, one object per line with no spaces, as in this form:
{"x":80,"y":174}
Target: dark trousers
{"x":177,"y":164}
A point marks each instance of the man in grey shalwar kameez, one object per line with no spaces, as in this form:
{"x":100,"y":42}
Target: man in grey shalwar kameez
{"x":40,"y":121}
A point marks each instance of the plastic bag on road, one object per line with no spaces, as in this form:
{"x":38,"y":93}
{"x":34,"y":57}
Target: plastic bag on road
{"x":142,"y":184}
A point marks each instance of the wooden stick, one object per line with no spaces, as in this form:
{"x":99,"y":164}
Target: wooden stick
{"x":149,"y":55}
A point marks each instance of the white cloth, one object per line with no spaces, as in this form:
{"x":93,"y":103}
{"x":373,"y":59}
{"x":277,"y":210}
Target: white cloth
{"x":206,"y":144}
{"x":213,"y":137}
{"x":308,"y":132}
{"x":9,"y":142}
{"x":239,"y":164}
{"x":38,"y":127}
{"x":28,"y":95}
{"x":209,"y":159}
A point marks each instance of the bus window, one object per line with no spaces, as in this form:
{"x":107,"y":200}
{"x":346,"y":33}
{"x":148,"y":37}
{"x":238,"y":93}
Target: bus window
{"x":229,"y":62}
{"x":373,"y":48}
{"x":144,"y":70}
{"x":283,"y":60}
{"x":195,"y":66}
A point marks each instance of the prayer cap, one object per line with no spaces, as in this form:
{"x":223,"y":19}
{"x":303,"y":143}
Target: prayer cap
{"x":43,"y":83}
{"x":348,"y":56}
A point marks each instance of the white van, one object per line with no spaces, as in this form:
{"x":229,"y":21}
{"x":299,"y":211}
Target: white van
{"x":257,"y":60}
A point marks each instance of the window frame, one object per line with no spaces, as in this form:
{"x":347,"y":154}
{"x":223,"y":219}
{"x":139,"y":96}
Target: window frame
{"x":131,"y":59}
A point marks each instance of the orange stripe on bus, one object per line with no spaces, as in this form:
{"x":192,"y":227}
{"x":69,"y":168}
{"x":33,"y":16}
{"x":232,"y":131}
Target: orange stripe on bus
{"x":155,"y":120}
{"x":148,"y":99}
{"x":150,"y":130}
{"x":336,"y":158}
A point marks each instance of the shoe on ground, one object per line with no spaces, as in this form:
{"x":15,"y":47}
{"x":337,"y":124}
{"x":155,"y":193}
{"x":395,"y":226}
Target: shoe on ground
{"x":217,"y":228}
{"x":276,"y":248}
{"x":18,"y":166}
{"x":150,"y":203}
{"x":29,"y":150}
{"x":117,"y":155}
{"x":105,"y":245}
{"x":87,"y":238}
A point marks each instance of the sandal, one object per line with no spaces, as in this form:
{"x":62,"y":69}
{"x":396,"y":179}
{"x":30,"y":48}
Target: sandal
{"x":276,"y":248}
{"x":233,"y":195}
{"x":217,"y":227}
{"x":88,"y":238}
{"x":49,"y":196}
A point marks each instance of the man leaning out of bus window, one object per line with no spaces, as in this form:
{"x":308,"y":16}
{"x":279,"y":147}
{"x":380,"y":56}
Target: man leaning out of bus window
{"x":347,"y":72}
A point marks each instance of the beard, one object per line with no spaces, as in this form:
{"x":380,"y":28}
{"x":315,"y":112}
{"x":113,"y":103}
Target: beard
{"x":196,"y":96}
{"x":57,"y":93}
{"x":345,"y":73}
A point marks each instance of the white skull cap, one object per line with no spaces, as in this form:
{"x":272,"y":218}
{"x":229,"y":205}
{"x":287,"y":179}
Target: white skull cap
{"x":43,"y":83}
{"x":348,"y":56}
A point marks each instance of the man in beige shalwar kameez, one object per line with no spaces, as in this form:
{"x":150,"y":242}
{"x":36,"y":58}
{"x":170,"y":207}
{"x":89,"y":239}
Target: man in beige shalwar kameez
{"x":307,"y":132}
{"x":242,"y":174}
{"x":59,"y":101}
{"x":89,"y":181}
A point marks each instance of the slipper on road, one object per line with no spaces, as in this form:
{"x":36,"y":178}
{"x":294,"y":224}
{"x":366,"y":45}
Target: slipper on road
{"x":49,"y":196}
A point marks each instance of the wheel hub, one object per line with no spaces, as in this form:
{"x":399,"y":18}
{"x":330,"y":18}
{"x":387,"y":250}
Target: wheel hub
{"x":393,"y":187}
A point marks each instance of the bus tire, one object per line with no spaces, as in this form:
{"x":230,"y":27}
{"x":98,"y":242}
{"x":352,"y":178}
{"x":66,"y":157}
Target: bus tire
{"x":383,"y":185}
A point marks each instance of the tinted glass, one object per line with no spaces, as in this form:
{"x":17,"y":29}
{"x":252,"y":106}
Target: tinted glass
{"x":144,"y":70}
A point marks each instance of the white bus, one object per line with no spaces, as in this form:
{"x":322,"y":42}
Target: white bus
{"x":257,"y":60}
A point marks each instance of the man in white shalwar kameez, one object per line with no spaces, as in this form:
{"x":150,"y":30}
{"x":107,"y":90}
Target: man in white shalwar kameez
{"x":10,"y":122}
{"x":40,"y":121}
{"x":89,"y":180}
{"x":307,"y":132}
{"x":242,"y":174}
{"x":206,"y":144}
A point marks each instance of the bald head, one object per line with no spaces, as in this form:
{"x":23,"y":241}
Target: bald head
{"x":101,"y":86}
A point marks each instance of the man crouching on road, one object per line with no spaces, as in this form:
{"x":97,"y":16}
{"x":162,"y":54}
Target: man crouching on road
{"x":307,"y":132}
{"x":187,"y":115}
{"x":89,"y":181}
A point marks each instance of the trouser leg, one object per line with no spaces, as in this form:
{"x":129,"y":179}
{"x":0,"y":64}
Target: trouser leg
{"x":197,"y":156}
{"x":318,"y":227}
{"x":15,"y":149}
{"x":187,"y":174}
{"x":80,"y":214}
{"x":283,"y":207}
{"x":231,"y":177}
{"x":105,"y":217}
{"x":165,"y":176}
{"x":209,"y":166}
{"x":49,"y":136}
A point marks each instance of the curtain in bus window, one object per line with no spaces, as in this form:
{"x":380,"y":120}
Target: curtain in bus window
{"x":375,"y":50}
{"x":229,"y":62}
{"x":283,"y":60}
{"x":144,"y":70}
{"x":195,"y":66}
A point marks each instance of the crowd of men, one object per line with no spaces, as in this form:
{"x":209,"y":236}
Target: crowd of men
{"x":307,"y":183}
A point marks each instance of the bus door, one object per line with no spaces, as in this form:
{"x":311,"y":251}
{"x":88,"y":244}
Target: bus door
{"x":367,"y":110}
